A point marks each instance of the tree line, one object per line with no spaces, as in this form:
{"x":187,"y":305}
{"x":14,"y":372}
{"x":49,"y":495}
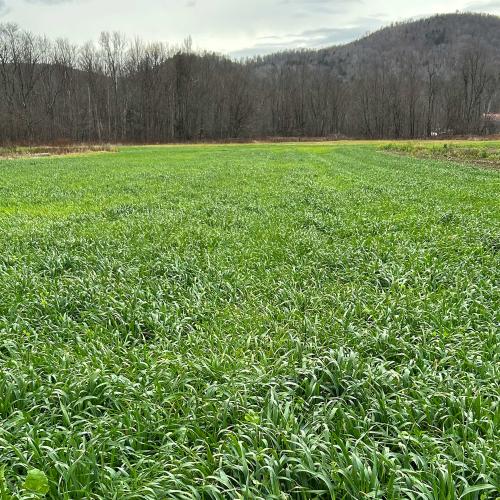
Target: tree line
{"x":120,"y":90}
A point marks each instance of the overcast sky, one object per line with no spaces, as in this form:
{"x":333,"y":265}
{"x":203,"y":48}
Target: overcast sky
{"x":233,"y":27}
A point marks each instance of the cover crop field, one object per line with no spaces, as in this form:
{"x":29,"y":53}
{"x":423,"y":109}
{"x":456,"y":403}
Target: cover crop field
{"x":252,"y":321}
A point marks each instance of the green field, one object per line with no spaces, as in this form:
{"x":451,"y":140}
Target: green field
{"x":261,"y":321}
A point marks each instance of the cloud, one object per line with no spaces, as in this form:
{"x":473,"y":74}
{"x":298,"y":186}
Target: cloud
{"x":49,"y":2}
{"x":3,"y":7}
{"x":312,"y":38}
{"x":489,"y":6}
{"x":309,"y":3}
{"x":315,"y":7}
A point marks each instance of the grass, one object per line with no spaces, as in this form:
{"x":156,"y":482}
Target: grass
{"x":266,"y":321}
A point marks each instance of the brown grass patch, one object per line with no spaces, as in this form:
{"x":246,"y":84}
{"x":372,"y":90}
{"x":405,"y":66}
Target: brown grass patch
{"x":40,"y":151}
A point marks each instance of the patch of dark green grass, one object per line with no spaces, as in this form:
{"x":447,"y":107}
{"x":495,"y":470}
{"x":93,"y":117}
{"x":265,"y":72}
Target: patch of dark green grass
{"x":249,"y":322}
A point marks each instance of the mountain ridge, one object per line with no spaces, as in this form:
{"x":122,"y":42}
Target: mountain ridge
{"x":453,"y":32}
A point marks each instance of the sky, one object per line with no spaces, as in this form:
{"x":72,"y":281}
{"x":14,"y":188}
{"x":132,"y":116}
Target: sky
{"x":234,"y":27}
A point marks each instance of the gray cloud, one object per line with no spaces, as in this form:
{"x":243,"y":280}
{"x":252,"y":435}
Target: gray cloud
{"x":4,"y":8}
{"x":312,"y":39}
{"x":49,"y":2}
{"x":309,"y":3}
{"x":315,"y":7}
{"x":484,"y":6}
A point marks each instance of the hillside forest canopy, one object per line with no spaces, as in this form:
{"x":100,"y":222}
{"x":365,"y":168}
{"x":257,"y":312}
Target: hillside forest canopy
{"x":432,"y":77}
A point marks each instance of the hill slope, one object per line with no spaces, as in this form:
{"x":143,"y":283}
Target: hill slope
{"x":440,"y":36}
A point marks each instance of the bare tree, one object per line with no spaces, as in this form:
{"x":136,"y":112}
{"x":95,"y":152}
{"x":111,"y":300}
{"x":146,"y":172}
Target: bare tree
{"x":119,"y":90}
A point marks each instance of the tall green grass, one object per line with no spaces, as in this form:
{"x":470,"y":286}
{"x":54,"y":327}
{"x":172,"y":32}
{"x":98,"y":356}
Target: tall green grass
{"x":249,"y":322}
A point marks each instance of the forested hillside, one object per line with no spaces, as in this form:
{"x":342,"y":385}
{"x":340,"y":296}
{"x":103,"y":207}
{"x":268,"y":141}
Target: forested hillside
{"x":448,"y":34}
{"x":429,"y":77}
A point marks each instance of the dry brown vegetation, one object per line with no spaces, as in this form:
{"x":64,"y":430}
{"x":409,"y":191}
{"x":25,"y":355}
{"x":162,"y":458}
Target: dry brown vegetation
{"x":37,"y":151}
{"x":481,"y":153}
